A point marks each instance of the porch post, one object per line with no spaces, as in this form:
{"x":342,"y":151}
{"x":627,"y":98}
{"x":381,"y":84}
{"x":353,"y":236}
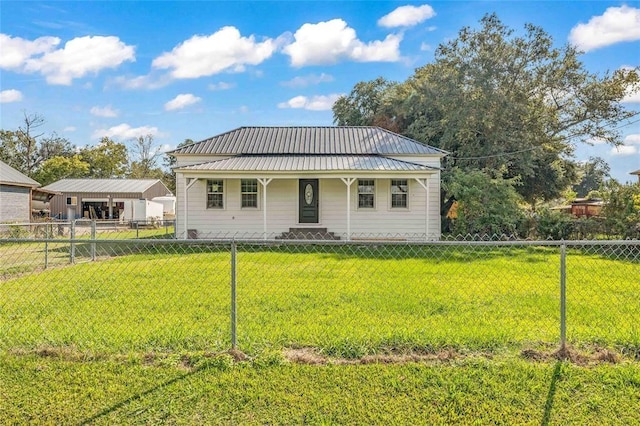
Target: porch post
{"x":425,"y":185}
{"x":186,"y":199}
{"x":348,"y":182}
{"x":264,"y":182}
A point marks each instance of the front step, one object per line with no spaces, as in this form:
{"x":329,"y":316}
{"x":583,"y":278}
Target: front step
{"x":307,"y":234}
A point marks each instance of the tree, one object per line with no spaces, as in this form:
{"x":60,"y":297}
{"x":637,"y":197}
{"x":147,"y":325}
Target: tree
{"x":498,"y":101}
{"x":367,"y":105}
{"x":106,"y":160}
{"x":485,"y":205}
{"x":26,"y":148}
{"x":622,"y":208}
{"x":592,"y":174}
{"x":57,"y":168}
{"x":169,"y":178}
{"x":146,"y":157}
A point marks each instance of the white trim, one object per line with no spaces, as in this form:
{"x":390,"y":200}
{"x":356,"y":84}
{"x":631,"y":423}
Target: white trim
{"x":258,"y":195}
{"x":187,"y":185}
{"x":425,"y":185}
{"x":375,"y":195}
{"x":264,"y":183}
{"x":390,"y":204}
{"x":348,"y":182}
{"x":224,"y":194}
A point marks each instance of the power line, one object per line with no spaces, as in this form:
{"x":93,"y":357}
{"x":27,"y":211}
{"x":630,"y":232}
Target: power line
{"x":504,"y":154}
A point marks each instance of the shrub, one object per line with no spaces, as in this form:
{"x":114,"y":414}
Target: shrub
{"x":554,"y":225}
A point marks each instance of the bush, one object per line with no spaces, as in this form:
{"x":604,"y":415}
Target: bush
{"x":554,"y":225}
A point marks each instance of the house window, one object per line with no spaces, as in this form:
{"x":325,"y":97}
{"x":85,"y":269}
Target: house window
{"x":366,"y":193}
{"x":215,"y":194}
{"x":399,"y":191}
{"x":249,"y":192}
{"x":72,"y":201}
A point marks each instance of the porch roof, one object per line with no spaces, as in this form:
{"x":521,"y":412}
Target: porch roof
{"x":308,"y":163}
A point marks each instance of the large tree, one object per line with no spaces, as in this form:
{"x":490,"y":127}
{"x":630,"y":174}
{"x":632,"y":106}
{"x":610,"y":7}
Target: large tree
{"x":592,"y":174}
{"x":26,"y":148}
{"x":59,"y":167}
{"x":144,"y":158}
{"x":106,"y":160}
{"x":500,"y":101}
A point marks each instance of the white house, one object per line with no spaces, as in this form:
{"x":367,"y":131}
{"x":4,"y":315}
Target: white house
{"x":288,"y":182}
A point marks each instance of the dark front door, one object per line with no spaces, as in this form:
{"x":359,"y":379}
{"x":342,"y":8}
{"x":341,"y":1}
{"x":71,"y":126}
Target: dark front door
{"x":308,"y":200}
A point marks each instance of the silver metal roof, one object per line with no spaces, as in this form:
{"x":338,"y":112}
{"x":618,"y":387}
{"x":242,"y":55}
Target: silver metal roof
{"x":309,"y":140}
{"x":102,"y":185}
{"x":10,"y":176}
{"x":308,"y":163}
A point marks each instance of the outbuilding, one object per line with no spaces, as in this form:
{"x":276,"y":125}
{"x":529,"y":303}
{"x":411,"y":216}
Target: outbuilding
{"x":101,"y":198}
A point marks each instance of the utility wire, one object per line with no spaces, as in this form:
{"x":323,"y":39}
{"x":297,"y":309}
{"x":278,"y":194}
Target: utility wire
{"x":504,"y":154}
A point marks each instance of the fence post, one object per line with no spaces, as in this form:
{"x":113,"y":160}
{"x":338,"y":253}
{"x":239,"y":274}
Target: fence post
{"x":93,"y":237}
{"x":137,"y":230}
{"x":72,"y":245}
{"x":46,"y":245}
{"x":563,"y":296}
{"x":234,"y":336}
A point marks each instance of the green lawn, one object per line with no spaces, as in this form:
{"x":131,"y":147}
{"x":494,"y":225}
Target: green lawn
{"x":216,"y":390}
{"x":347,"y":300}
{"x":459,"y":335}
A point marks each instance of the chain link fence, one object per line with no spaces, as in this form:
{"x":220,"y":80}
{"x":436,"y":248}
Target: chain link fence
{"x":346,"y":299}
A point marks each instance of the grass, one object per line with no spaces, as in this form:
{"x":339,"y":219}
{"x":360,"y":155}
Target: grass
{"x":396,"y":335}
{"x":217,"y":390}
{"x":347,"y":301}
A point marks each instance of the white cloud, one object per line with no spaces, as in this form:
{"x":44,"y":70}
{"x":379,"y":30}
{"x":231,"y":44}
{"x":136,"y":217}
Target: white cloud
{"x":69,"y":129}
{"x":11,"y":95}
{"x":16,"y":50}
{"x":166,"y":147}
{"x":106,"y":111}
{"x":141,"y":82}
{"x":632,"y":139}
{"x":617,"y":24}
{"x":597,"y":141}
{"x":181,"y":101}
{"x":308,"y":80}
{"x":243,"y":109}
{"x":79,"y":57}
{"x":314,"y":103}
{"x":125,"y":131}
{"x":224,"y":50}
{"x":632,"y":97}
{"x":331,"y":41}
{"x":425,"y":47}
{"x":221,"y":86}
{"x":407,"y":16}
{"x":624,"y":150}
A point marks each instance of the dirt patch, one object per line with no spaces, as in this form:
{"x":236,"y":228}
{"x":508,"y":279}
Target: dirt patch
{"x":311,"y":356}
{"x":308,"y":356}
{"x":237,"y":355}
{"x":573,"y":356}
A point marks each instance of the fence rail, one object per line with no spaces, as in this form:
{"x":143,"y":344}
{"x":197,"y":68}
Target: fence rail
{"x":342,"y":298}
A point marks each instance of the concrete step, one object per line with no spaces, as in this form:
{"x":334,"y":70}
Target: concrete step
{"x":307,"y":234}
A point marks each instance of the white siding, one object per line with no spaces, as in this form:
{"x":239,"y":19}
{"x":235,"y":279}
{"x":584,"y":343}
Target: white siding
{"x":282,"y":210}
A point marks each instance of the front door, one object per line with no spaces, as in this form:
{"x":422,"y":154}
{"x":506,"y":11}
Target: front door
{"x":308,"y":199}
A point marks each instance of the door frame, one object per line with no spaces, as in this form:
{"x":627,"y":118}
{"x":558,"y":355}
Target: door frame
{"x":302,"y":183}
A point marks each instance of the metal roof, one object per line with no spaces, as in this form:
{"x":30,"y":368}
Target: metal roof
{"x":341,"y":140}
{"x":637,"y":172}
{"x":10,"y":176}
{"x":102,"y":185}
{"x":309,"y":163}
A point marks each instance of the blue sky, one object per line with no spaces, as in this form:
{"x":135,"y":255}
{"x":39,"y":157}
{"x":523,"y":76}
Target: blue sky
{"x":181,"y":70}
